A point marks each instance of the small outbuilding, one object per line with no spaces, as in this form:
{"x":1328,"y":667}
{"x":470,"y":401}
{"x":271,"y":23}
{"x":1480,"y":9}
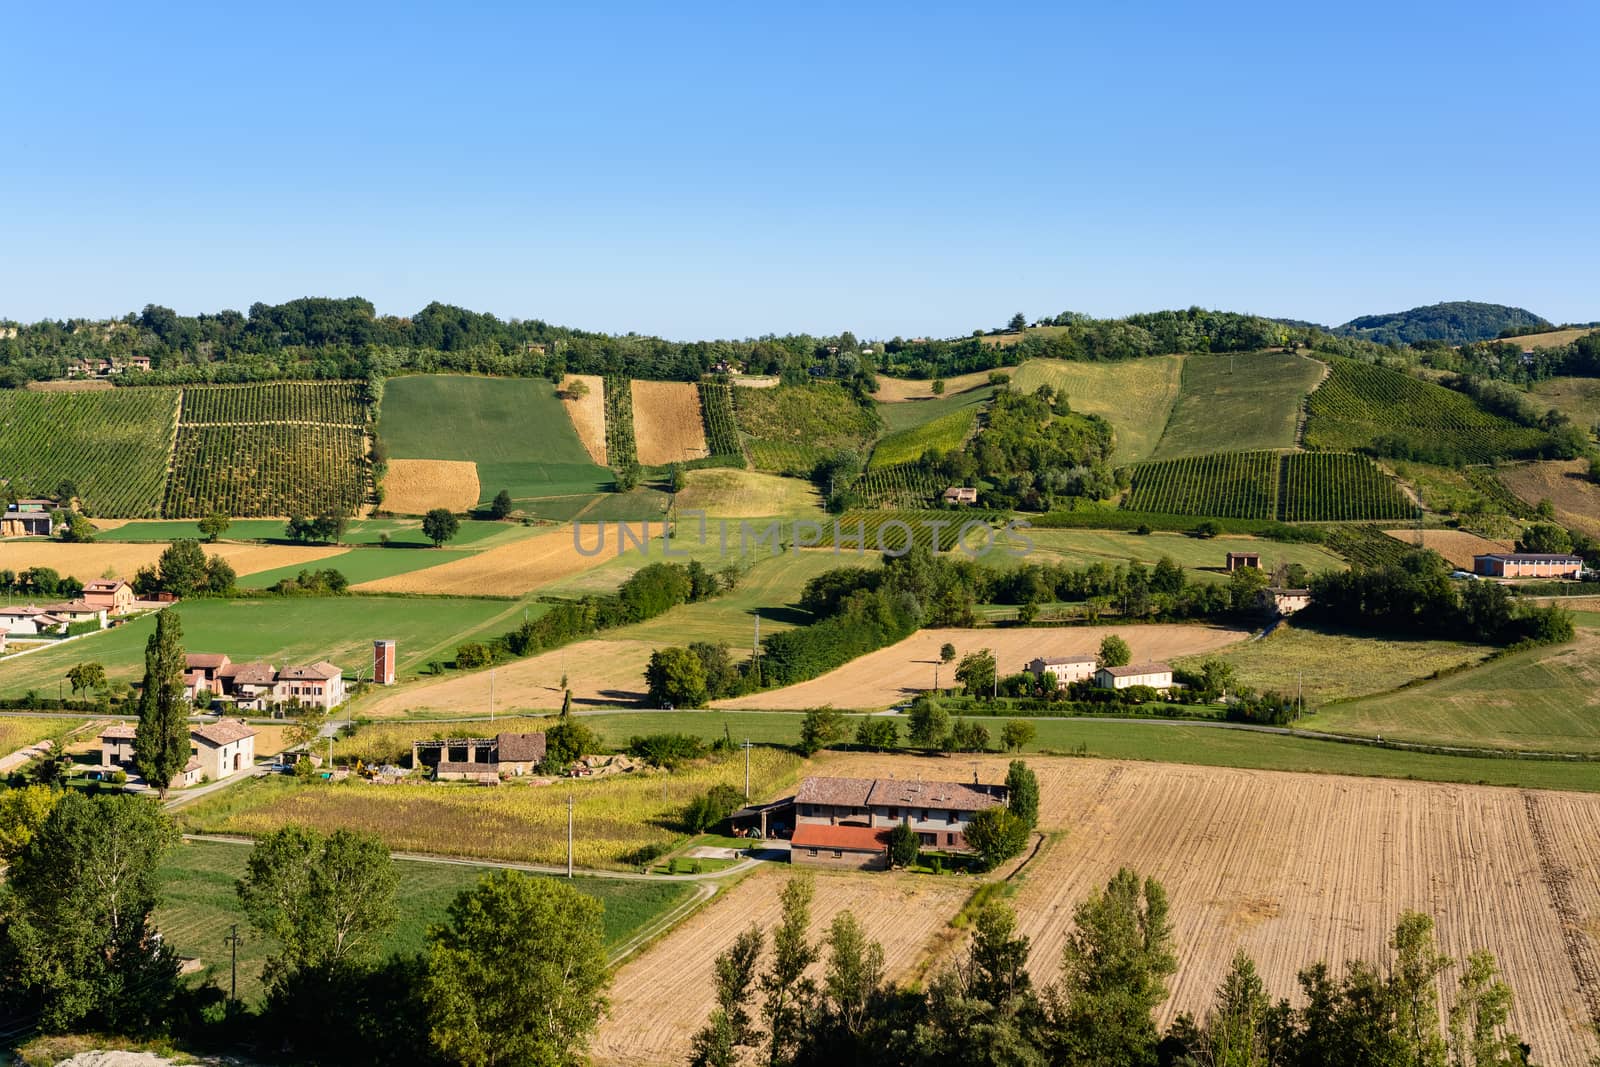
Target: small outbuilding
{"x":1154,"y":675}
{"x":1240,"y":560}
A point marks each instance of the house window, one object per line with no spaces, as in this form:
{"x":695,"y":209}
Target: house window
{"x":894,"y":813}
{"x":838,"y":855}
{"x":811,"y":852}
{"x":949,"y":839}
{"x":951,"y":818}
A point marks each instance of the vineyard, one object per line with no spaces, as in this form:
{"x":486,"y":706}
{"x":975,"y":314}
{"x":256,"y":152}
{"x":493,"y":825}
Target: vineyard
{"x":280,"y":469}
{"x":790,"y":427}
{"x":111,"y":445}
{"x":1366,"y":545}
{"x":902,"y":486}
{"x":1363,"y":406}
{"x":621,"y":449}
{"x":328,"y":403}
{"x":944,"y":434}
{"x":1292,"y":487}
{"x":1485,"y":481}
{"x":1238,"y":485}
{"x":722,"y":428}
{"x":1334,"y":486}
{"x":891,"y":530}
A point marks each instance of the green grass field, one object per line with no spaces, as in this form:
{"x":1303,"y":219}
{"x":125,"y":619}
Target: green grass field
{"x":514,"y":429}
{"x":909,"y":414}
{"x":200,"y":905}
{"x":1237,"y":403}
{"x":946,"y":433}
{"x":1338,"y":666}
{"x":282,"y":630}
{"x":19,"y":730}
{"x":1082,"y":547}
{"x":1541,"y":699}
{"x":1576,"y":398}
{"x":360,"y":565}
{"x":1135,"y":396}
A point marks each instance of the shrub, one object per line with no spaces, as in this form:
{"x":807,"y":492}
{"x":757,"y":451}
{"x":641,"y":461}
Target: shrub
{"x":666,"y":750}
{"x":473,"y":654}
{"x":711,"y":808}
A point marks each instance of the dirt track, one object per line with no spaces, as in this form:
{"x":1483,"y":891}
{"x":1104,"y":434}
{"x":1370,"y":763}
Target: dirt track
{"x":901,"y":670}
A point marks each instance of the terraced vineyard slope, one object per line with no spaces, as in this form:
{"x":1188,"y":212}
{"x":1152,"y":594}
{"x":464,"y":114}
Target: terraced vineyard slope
{"x":112,"y":445}
{"x":1362,"y":406}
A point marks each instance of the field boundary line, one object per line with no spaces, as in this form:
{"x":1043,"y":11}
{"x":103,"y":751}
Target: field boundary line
{"x":1557,"y":879}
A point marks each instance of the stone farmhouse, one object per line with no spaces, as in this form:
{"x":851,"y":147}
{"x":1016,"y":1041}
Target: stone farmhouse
{"x":481,"y":759}
{"x":1154,"y":675}
{"x":1062,"y":671}
{"x":216,"y":750}
{"x":1278,"y":601}
{"x":845,"y":822}
{"x":261,"y":686}
{"x":1527,"y":565}
{"x":960,"y":494}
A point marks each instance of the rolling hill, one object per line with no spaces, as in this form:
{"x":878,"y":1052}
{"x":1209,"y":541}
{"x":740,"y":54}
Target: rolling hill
{"x":1458,"y":322}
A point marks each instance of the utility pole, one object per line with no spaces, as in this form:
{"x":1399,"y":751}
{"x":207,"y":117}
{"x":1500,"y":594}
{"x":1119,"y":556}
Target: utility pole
{"x":232,"y":941}
{"x":569,"y":835}
{"x":747,"y":770}
{"x":755,"y":649}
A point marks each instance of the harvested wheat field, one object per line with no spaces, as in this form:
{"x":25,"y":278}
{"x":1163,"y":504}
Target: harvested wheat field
{"x":722,"y":492}
{"x":1299,"y":867}
{"x":601,"y":673}
{"x":87,"y":562}
{"x":881,"y":678}
{"x":588,"y":414}
{"x":416,"y":486}
{"x":1457,"y":546}
{"x":898,"y":390}
{"x":667,"y":423}
{"x":659,"y":999}
{"x":1565,"y":483}
{"x":72,"y":385}
{"x":507,"y":570}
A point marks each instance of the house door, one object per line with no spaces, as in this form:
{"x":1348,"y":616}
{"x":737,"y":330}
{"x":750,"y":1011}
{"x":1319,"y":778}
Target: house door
{"x":236,"y":761}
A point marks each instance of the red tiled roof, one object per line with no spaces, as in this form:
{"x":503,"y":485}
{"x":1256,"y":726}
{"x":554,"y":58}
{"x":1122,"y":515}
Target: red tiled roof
{"x":249,"y":673}
{"x":322,"y":670}
{"x":122,"y":731}
{"x":856,"y":838}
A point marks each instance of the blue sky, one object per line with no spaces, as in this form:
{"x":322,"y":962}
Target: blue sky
{"x":701,"y":171}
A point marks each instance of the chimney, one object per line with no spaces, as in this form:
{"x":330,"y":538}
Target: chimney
{"x":383,"y":662}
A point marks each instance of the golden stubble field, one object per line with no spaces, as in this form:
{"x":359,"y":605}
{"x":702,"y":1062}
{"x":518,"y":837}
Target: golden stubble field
{"x":87,"y":562}
{"x":900,"y":390}
{"x":588,"y":414}
{"x":506,"y":570}
{"x":661,"y":997}
{"x":1457,"y":546}
{"x":1299,"y":867}
{"x":1563,"y":482}
{"x":667,"y":425}
{"x":881,"y":678}
{"x":600,"y":672}
{"x":416,"y":486}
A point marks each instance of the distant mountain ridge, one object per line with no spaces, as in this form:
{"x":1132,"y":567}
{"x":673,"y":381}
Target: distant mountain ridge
{"x":1456,"y":322}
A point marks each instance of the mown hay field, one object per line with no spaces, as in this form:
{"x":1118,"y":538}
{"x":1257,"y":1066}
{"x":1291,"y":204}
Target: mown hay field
{"x":95,"y":560}
{"x":1550,"y":339}
{"x":1238,"y":403}
{"x":614,"y":817}
{"x":900,"y":390}
{"x":667,"y":424}
{"x":1293,"y":868}
{"x":722,"y":492}
{"x":417,"y":486}
{"x":1563,"y":482}
{"x":599,"y":671}
{"x":1135,"y":396}
{"x":510,"y":569}
{"x":881,"y":678}
{"x":1576,"y":398}
{"x":1457,"y":546}
{"x":588,"y":413}
{"x":660,"y":998}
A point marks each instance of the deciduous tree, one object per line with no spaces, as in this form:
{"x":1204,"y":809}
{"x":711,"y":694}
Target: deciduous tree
{"x":1114,"y":652}
{"x":440,"y":525}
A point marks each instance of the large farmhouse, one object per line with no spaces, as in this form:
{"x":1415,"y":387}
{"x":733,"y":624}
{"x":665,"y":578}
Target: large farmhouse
{"x":845,"y":822}
{"x":1061,"y":671}
{"x":261,"y":686}
{"x":1528,"y":565}
{"x":112,"y":594}
{"x":1154,"y":675}
{"x":216,"y":750}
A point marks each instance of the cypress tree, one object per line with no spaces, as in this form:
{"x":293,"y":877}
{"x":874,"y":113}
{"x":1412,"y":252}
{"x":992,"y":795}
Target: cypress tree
{"x":161,"y":742}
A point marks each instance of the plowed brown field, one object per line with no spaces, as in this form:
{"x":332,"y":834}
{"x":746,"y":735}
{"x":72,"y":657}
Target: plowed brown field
{"x":667,"y":424}
{"x":881,"y":678}
{"x":588,"y":415}
{"x":660,"y":998}
{"x":1457,"y":546}
{"x":86,"y":562}
{"x":417,"y":486}
{"x":510,"y":569}
{"x":1294,"y":868}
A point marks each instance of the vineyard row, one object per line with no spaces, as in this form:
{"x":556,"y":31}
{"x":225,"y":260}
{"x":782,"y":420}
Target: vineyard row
{"x":1293,"y":487}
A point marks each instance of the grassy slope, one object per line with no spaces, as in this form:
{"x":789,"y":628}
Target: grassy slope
{"x":360,"y":565}
{"x":1576,"y":398}
{"x":1563,"y":482}
{"x":909,"y":414}
{"x":513,"y":428}
{"x":1082,"y":547}
{"x":1136,"y":396}
{"x":200,"y":904}
{"x":357,"y":532}
{"x":1255,"y":406}
{"x":945,"y":433}
{"x":1543,"y":698}
{"x":281,"y":630}
{"x":1337,"y":666}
